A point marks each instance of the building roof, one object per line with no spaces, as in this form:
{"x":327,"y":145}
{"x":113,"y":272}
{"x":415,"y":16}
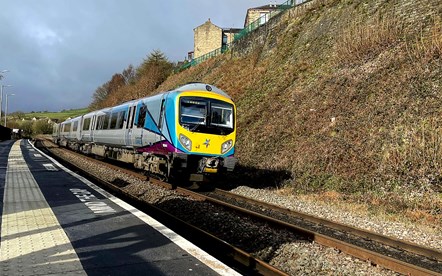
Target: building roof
{"x":265,"y":7}
{"x":208,"y":22}
{"x":232,"y":30}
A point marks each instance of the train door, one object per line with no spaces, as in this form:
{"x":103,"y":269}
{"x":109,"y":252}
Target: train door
{"x":140,"y":120}
{"x":80,"y":129}
{"x":129,"y":141}
{"x":93,"y":127}
{"x":161,"y":119}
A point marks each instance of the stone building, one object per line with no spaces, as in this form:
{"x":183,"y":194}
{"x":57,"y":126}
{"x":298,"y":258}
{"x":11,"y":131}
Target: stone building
{"x":208,"y":37}
{"x":263,"y":13}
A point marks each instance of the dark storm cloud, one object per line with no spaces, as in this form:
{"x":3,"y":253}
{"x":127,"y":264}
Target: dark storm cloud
{"x":59,"y":51}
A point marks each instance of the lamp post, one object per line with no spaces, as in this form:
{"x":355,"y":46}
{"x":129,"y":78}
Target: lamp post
{"x":6,"y":106}
{"x":1,"y":99}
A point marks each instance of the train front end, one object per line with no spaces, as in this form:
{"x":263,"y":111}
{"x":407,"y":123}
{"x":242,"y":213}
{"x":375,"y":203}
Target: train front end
{"x":204,"y":132}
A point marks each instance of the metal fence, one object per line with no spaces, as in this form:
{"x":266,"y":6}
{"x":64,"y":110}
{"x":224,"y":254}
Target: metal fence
{"x":266,"y":17}
{"x":244,"y":32}
{"x":205,"y":57}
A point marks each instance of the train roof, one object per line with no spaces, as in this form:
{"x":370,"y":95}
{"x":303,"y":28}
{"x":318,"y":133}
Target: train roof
{"x":193,"y":86}
{"x":198,"y":86}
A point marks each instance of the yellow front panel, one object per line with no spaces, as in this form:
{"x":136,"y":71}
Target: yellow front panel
{"x":204,"y":143}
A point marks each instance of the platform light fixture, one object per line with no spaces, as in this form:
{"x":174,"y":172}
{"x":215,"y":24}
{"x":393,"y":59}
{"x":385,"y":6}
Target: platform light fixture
{"x":3,"y":71}
{"x":6,"y":106}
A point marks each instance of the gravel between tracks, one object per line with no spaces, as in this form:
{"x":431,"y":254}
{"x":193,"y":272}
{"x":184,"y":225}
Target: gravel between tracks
{"x":283,"y":250}
{"x":414,"y":233}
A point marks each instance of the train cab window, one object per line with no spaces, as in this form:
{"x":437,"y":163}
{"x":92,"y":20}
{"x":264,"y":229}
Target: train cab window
{"x":205,"y":115}
{"x":193,"y":112}
{"x":86,"y":123}
{"x":221,"y":115}
{"x":74,"y":129}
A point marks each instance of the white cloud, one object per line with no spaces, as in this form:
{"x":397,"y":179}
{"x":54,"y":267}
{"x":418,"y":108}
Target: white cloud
{"x":44,"y":36}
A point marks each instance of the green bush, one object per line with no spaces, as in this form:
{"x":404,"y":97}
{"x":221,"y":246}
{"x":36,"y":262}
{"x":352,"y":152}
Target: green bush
{"x":27,"y":128}
{"x":42,"y":127}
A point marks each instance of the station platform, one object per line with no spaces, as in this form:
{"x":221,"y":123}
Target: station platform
{"x":54,"y":222}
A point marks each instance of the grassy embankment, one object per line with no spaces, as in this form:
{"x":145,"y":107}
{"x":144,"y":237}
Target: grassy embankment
{"x":60,"y":116}
{"x":345,"y":98}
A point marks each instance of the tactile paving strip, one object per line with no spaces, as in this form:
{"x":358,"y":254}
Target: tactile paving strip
{"x":32,"y":240}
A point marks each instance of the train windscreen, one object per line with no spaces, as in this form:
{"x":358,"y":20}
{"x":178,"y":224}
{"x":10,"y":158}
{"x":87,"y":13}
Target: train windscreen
{"x":193,"y":112}
{"x":206,"y":115}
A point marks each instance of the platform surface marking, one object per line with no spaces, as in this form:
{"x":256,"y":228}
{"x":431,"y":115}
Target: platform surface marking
{"x":33,"y":242}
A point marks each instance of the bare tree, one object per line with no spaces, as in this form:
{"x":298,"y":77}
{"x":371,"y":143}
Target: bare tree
{"x":129,"y":75}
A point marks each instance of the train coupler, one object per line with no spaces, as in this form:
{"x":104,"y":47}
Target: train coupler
{"x":208,"y":165}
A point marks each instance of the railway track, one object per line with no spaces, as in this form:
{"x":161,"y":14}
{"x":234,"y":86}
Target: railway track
{"x":235,"y":257}
{"x":390,"y":253}
{"x":394,"y":254}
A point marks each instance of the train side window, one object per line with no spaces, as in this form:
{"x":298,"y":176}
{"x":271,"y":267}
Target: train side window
{"x":142,"y":115}
{"x":120,"y":121}
{"x":132,"y":115}
{"x":67,"y":127}
{"x":113,"y":120}
{"x":86,"y":123}
{"x":94,"y":122}
{"x":106,"y":121}
{"x":160,"y":123}
{"x":75,"y":126}
{"x":100,"y":121}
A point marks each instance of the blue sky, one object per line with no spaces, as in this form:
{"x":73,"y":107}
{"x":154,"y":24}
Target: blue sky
{"x":59,"y":51}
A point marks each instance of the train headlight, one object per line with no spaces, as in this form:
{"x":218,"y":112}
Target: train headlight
{"x":226,"y":146}
{"x":186,"y":142}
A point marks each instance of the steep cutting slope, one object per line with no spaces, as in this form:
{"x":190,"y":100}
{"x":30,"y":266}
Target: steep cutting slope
{"x":343,"y":94}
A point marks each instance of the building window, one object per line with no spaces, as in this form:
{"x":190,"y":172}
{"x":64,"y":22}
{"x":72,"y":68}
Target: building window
{"x":263,"y":18}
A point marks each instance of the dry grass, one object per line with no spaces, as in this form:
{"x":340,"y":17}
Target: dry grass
{"x":416,"y":152}
{"x":428,"y":46}
{"x":364,"y":39}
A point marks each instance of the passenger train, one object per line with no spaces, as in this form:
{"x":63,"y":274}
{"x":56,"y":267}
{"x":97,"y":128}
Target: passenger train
{"x":189,"y":131}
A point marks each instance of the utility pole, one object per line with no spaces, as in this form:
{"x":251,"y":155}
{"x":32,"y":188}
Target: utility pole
{"x":1,"y":92}
{"x":6,"y":110}
{"x":1,"y":99}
